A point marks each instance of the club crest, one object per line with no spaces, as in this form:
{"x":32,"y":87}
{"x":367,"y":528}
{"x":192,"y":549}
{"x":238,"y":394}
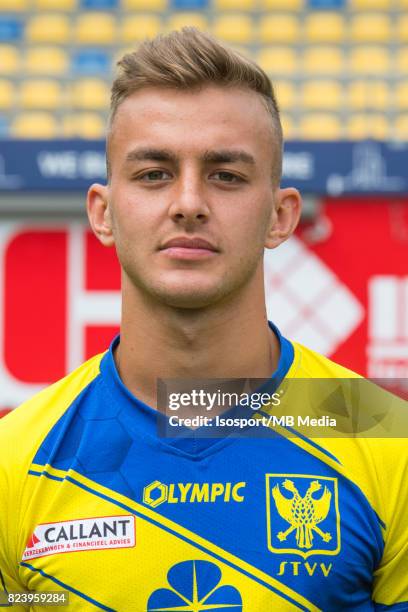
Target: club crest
{"x":302,"y":514}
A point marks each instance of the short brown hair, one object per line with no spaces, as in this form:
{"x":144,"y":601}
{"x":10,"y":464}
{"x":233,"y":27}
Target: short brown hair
{"x":188,"y":59}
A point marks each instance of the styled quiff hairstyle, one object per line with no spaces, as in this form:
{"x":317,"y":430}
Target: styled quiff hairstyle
{"x":189,"y":59}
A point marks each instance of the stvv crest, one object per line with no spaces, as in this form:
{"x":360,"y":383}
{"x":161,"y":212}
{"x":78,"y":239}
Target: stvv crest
{"x":303,"y":514}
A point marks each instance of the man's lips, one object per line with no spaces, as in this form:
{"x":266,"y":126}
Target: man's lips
{"x":189,"y":243}
{"x":188,"y":248}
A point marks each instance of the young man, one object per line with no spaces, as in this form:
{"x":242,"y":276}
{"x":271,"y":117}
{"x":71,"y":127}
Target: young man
{"x":93,"y":501}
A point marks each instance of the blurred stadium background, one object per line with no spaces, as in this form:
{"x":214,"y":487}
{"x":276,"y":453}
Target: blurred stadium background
{"x":340,"y":70}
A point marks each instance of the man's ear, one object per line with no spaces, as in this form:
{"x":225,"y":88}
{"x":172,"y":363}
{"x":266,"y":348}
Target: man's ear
{"x":285,"y":216}
{"x":99,"y":213}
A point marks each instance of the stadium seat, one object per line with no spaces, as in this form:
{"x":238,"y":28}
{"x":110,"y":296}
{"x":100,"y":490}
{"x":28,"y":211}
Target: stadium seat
{"x":320,"y":126}
{"x":370,"y":5}
{"x":321,"y":95}
{"x":9,"y":59}
{"x":369,"y":60}
{"x":286,"y":94}
{"x":34,"y":125}
{"x":367,"y":125}
{"x":324,"y":27}
{"x":139,"y":27}
{"x":90,"y":94}
{"x":144,"y":5}
{"x":288,"y":126}
{"x":179,"y":20}
{"x":233,"y":28}
{"x":95,"y":28}
{"x":402,"y":60}
{"x":55,"y":5}
{"x":91,"y":62}
{"x":276,"y":29}
{"x":278,"y":60}
{"x":83,"y":125}
{"x":102,"y":5}
{"x":281,"y":5}
{"x":7,"y":94}
{"x":370,"y":28}
{"x":323,"y":60}
{"x":402,"y":29}
{"x":11,"y":29}
{"x":48,"y":28}
{"x":401,"y":96}
{"x":234,"y":5}
{"x":401,"y":127}
{"x":333,"y":5}
{"x":46,"y":60}
{"x":190,"y":5}
{"x":373,"y":95}
{"x":41,"y":94}
{"x":4,"y":126}
{"x":14,"y":5}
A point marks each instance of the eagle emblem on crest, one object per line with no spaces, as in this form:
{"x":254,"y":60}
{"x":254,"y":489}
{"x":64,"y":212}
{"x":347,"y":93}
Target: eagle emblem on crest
{"x":303,"y":515}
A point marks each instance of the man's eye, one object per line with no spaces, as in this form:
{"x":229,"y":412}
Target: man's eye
{"x":155,"y":175}
{"x":227,"y":177}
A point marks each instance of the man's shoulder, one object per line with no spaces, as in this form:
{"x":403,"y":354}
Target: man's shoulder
{"x":311,"y":364}
{"x":23,"y":429}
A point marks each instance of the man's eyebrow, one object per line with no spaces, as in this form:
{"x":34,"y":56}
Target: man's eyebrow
{"x":227,"y":156}
{"x":150,"y":154}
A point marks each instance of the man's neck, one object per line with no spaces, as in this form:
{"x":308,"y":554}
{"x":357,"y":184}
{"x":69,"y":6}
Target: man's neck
{"x":231,"y":341}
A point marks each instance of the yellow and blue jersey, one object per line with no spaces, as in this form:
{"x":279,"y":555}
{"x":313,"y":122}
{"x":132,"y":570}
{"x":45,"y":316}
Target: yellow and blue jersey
{"x":93,"y":501}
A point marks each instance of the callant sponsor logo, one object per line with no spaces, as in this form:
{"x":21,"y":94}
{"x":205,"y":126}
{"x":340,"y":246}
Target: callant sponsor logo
{"x":81,"y":534}
{"x":157,"y":492}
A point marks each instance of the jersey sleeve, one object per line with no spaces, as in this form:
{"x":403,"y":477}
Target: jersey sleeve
{"x":9,"y":575}
{"x":390,"y":586}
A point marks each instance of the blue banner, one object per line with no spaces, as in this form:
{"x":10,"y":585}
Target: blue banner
{"x":321,"y":168}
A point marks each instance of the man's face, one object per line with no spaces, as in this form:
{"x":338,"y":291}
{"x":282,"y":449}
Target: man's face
{"x":191,"y":196}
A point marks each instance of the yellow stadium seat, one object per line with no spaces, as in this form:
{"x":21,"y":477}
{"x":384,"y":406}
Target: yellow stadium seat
{"x":48,"y":28}
{"x":92,"y":94}
{"x":370,"y":5}
{"x":144,"y":5}
{"x":180,"y":20}
{"x":46,"y":60}
{"x":9,"y":59}
{"x":401,"y":96}
{"x":286,"y":94}
{"x":55,"y":5}
{"x":369,"y":95}
{"x":370,"y":28}
{"x":7,"y":94}
{"x":281,"y":5}
{"x":369,"y":60}
{"x":367,"y":125}
{"x":402,"y":29}
{"x":138,"y":27}
{"x":41,"y":94}
{"x":402,"y":61}
{"x":95,"y":29}
{"x":14,"y":5}
{"x":288,"y":126}
{"x":323,"y":60}
{"x":234,"y":5}
{"x":401,"y":4}
{"x":320,"y":126}
{"x":321,"y":95}
{"x":83,"y":125}
{"x":278,"y":60}
{"x":401,"y":127}
{"x":276,"y":29}
{"x":34,"y":125}
{"x":234,"y":28}
{"x":324,"y":27}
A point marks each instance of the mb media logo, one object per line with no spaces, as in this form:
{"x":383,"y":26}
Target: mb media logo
{"x":157,"y":493}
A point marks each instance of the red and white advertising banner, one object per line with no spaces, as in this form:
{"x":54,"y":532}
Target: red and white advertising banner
{"x":339,"y":286}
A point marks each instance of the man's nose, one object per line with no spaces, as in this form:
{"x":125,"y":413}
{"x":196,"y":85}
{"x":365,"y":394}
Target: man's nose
{"x":189,"y":204}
